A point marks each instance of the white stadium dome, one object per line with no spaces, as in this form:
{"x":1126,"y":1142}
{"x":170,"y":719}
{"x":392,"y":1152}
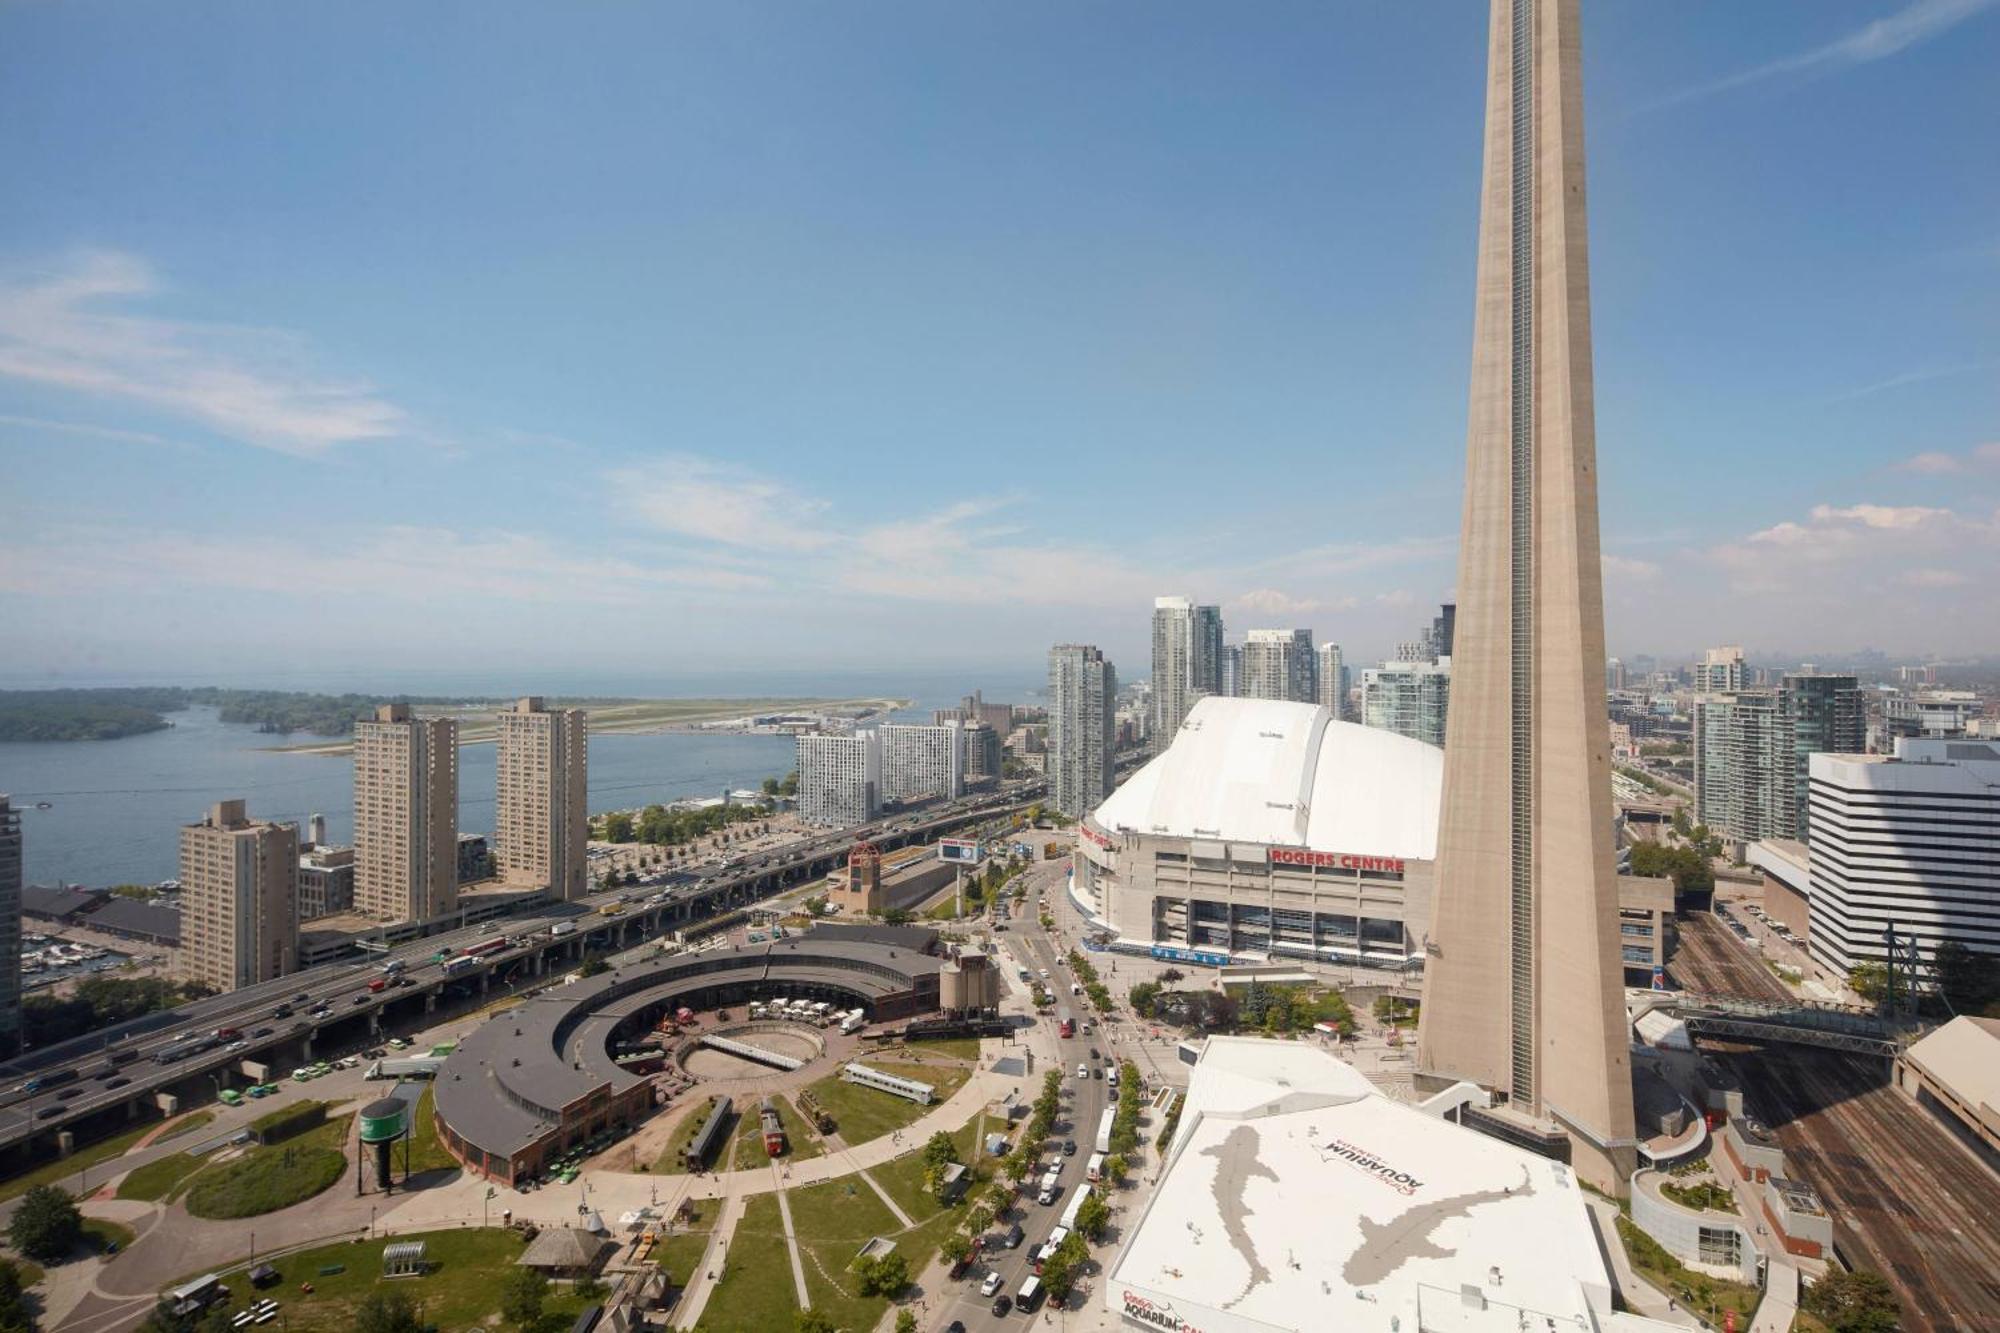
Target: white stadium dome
{"x":1285,"y":775}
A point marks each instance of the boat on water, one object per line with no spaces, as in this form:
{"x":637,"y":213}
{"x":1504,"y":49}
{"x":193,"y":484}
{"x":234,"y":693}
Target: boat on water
{"x":45,"y":805}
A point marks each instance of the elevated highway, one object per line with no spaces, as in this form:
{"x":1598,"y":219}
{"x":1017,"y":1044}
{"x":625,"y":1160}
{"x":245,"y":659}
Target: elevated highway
{"x":110,"y":1077}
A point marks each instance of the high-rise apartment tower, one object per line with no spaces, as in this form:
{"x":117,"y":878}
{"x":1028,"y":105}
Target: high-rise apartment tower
{"x":1083,"y":733}
{"x":1187,"y":662}
{"x":239,"y":899}
{"x":1523,"y":983}
{"x":542,"y":819}
{"x":405,"y":815}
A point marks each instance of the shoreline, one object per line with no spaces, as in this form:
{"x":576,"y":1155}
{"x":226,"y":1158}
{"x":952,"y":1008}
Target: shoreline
{"x":480,"y":729}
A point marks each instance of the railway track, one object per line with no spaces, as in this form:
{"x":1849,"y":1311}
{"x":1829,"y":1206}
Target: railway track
{"x":1907,"y":1200}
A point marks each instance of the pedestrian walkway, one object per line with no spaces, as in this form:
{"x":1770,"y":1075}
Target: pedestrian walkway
{"x":883,"y":1195}
{"x":792,"y":1251}
{"x":708,"y":1273}
{"x":1781,"y":1298}
{"x":1640,"y":1296}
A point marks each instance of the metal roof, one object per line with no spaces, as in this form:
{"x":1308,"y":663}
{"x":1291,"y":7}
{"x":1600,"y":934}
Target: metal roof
{"x":1964,"y":1055}
{"x":1285,"y":775}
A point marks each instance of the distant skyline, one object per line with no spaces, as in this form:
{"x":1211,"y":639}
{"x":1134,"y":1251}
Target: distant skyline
{"x":374,"y":342}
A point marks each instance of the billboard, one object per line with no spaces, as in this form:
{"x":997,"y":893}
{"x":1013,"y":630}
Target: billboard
{"x":963,"y":851}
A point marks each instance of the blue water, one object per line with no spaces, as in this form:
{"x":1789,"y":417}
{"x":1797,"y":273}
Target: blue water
{"x":116,"y":806}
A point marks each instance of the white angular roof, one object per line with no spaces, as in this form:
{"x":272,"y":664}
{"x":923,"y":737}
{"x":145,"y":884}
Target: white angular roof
{"x":1285,"y":775}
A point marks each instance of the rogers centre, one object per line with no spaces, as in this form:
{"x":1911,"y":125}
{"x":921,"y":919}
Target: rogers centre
{"x":1268,"y":830}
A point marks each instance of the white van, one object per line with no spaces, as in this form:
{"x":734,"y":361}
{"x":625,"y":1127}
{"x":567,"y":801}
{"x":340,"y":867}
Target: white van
{"x":1030,"y":1294}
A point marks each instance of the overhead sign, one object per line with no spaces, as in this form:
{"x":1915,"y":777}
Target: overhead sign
{"x":1299,"y":856}
{"x":963,"y":851}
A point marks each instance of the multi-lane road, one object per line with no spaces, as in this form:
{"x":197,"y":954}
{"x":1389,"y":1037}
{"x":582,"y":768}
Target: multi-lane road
{"x":97,"y":1078}
{"x":1083,"y":1104}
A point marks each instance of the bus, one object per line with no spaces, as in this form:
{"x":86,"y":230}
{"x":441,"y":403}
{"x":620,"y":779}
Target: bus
{"x":1065,"y":1024}
{"x":462,"y":963}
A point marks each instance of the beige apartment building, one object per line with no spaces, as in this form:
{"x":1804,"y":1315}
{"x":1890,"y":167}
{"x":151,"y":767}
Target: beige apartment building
{"x":405,"y":816}
{"x":542,"y":822}
{"x":239,"y":899}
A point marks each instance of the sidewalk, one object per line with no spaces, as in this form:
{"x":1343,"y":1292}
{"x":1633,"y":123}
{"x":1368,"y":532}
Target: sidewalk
{"x":1640,"y":1296}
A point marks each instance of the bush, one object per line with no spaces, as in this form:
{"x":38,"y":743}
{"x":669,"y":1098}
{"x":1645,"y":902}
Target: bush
{"x":1857,"y":1302}
{"x":16,"y":1315}
{"x":886,"y":1276}
{"x":288,"y":1122}
{"x":47,"y":1225}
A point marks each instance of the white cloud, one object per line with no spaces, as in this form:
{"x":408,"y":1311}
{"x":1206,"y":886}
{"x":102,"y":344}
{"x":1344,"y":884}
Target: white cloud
{"x":1917,"y":23}
{"x":1934,"y":578}
{"x":692,"y":497}
{"x":1937,"y":463}
{"x":1272,"y":602}
{"x":392,"y":564}
{"x":1625,"y":567}
{"x":72,"y":327}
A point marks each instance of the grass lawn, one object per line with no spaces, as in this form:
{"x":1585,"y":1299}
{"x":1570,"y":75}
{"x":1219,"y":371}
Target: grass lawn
{"x":903,"y":1178}
{"x":951,"y":1048}
{"x":101,"y":1151}
{"x":30,"y":1271}
{"x":862,"y":1113}
{"x":1696,"y":1291}
{"x":842,"y":1207}
{"x":159,"y":1179}
{"x":800,"y":1141}
{"x":426,"y":1152}
{"x":679,"y":1253}
{"x":670,"y":1163}
{"x":460,"y":1291}
{"x":187,"y":1124}
{"x":100,"y":1234}
{"x":266,"y":1179}
{"x":755,"y":1294}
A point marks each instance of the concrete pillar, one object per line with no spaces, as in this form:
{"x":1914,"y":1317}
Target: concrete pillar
{"x":65,"y":1143}
{"x":430,"y":1002}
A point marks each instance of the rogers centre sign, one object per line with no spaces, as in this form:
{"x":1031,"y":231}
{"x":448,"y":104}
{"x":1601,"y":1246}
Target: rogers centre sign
{"x":1299,"y":856}
{"x":1155,"y":1314}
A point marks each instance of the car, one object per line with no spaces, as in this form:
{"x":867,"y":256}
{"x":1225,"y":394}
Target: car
{"x":300,"y":998}
{"x":282,"y":1011}
{"x":955,"y":1326}
{"x":118,"y":1083}
{"x":1069,"y":1147}
{"x":1082,"y":1070}
{"x":1097,"y":1071}
{"x":68,"y":1093}
{"x":991,"y":1286}
{"x":263,"y":1032}
{"x":1002,"y":1304}
{"x":1045,"y":971}
{"x":1094,"y":1055}
{"x":359,"y":999}
{"x":48,"y":1113}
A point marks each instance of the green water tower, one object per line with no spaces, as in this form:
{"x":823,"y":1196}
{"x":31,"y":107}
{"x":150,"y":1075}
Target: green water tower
{"x":383,"y":1124}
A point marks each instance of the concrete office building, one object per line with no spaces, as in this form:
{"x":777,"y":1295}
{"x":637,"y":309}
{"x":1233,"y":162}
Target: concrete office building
{"x":1444,"y":626}
{"x":1187,"y":662}
{"x":1333,"y":681}
{"x":840,"y":778}
{"x":542,"y":819}
{"x":1083,"y":736}
{"x":984,"y":755}
{"x":1910,"y":841}
{"x":405,"y":816}
{"x":1409,"y":698}
{"x":975,"y":711}
{"x":1523,"y":983}
{"x":10,"y":926}
{"x":326,"y":882}
{"x":239,"y":899}
{"x":1719,"y":671}
{"x":1279,"y":664}
{"x":922,"y":763}
{"x":1614,"y":675}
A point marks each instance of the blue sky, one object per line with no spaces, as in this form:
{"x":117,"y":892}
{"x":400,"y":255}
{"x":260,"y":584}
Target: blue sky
{"x":655,"y":337}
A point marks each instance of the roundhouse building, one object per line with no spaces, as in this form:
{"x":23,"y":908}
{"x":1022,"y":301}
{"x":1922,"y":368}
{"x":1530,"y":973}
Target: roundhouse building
{"x":1268,"y":828}
{"x":542,"y":1078}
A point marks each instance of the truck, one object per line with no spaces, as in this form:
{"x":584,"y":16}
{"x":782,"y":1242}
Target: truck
{"x":378,"y":985}
{"x":1095,"y":1171}
{"x":562,"y":928}
{"x":1065,"y":1024}
{"x":853,"y":1021}
{"x":1104,"y":1129}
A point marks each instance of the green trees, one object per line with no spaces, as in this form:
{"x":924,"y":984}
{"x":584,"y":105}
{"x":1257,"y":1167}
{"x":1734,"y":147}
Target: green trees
{"x":522,"y":1293}
{"x":1142,"y":997}
{"x":618,"y":827}
{"x":1117,"y":1168}
{"x":47,"y":1225}
{"x":906,"y":1321}
{"x":1857,"y":1302}
{"x":813,"y":1321}
{"x":1687,"y":866}
{"x":1868,"y":980}
{"x":1059,"y":1270}
{"x":939,"y":1155}
{"x":1970,"y":981}
{"x":387,"y":1310}
{"x":1092,"y":1216}
{"x":16,"y":1315}
{"x":98,"y":1002}
{"x":663,"y":827}
{"x":884,"y":1276}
